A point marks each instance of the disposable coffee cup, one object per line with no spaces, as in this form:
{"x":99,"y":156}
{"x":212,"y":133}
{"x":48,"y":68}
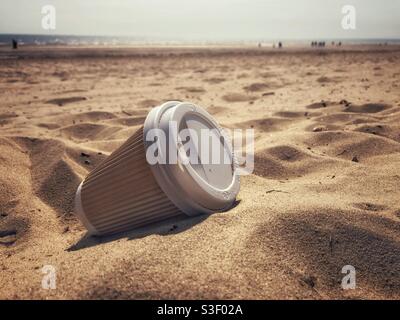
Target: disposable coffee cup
{"x":160,"y":172}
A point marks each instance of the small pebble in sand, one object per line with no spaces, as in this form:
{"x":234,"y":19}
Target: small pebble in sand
{"x":355,"y":159}
{"x":87,"y":162}
{"x":318,"y":129}
{"x":83,"y":154}
{"x":309,"y":280}
{"x":268,"y":94}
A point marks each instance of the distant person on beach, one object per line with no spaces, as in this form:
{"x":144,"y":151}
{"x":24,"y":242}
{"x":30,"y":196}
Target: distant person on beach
{"x":14,"y":44}
{"x":280,"y":45}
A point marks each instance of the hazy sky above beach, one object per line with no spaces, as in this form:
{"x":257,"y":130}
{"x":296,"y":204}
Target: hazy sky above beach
{"x":205,"y":19}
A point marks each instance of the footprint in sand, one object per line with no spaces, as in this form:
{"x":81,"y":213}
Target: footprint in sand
{"x":289,"y":114}
{"x":329,"y":79}
{"x":63,"y":101}
{"x":237,"y":97}
{"x":318,"y":105}
{"x":148,"y":103}
{"x":368,"y":108}
{"x":268,"y":74}
{"x":373,"y":129}
{"x":214,"y":80}
{"x":49,"y":126}
{"x":347,"y":145}
{"x":128,"y":121}
{"x":256,"y":87}
{"x":8,"y":237}
{"x":191,"y":89}
{"x":285,"y":162}
{"x":264,"y":125}
{"x":216,"y":109}
{"x":369,"y":206}
{"x":7,"y":118}
{"x":89,"y":131}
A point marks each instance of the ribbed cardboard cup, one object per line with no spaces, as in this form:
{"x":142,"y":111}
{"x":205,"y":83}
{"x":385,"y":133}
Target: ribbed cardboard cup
{"x":126,"y":192}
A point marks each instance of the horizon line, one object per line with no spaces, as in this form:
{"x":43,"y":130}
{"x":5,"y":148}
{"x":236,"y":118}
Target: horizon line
{"x":166,"y":38}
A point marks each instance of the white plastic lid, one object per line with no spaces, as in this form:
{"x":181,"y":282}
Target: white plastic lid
{"x":200,"y":186}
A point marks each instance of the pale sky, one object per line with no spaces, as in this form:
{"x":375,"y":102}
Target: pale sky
{"x":205,"y":19}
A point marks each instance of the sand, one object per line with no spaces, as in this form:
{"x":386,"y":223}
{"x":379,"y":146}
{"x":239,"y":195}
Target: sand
{"x":324,"y":194}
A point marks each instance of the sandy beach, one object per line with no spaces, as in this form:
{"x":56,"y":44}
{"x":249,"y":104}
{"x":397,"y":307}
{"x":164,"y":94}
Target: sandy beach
{"x":324,"y":193}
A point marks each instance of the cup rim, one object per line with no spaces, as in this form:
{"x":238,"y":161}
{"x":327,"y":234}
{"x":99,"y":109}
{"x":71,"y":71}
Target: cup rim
{"x":81,"y":213}
{"x":185,"y":188}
